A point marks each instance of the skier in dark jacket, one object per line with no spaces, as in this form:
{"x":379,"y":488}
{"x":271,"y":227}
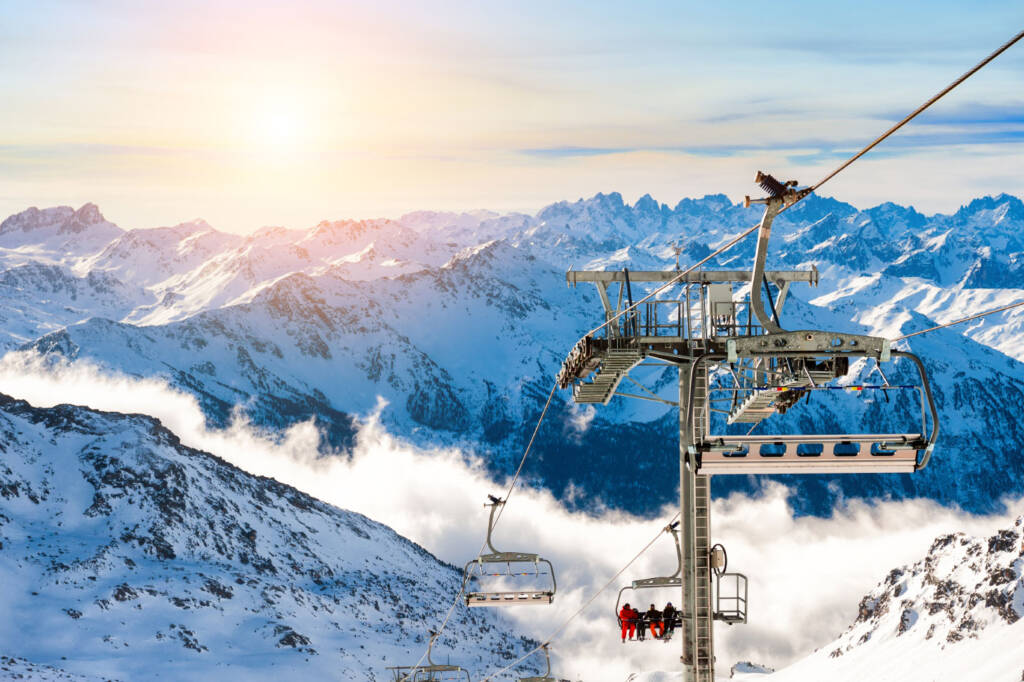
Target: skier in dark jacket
{"x":669,"y":614}
{"x":654,"y":618}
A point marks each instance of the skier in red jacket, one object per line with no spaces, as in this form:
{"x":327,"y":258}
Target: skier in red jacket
{"x":627,"y":617}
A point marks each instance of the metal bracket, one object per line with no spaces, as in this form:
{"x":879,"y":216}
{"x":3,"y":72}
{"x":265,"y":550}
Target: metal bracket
{"x":808,"y":340}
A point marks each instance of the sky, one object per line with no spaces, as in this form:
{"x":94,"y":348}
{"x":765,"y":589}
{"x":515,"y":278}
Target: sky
{"x":249,"y":114}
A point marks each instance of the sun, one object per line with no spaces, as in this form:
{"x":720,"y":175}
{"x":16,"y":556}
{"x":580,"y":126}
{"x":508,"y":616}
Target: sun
{"x":279,"y":125}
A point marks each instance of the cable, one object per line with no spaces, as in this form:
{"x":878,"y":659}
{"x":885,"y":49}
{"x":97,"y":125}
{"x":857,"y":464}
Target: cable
{"x":966,"y":319}
{"x":921,"y":108}
{"x":508,"y":494}
{"x":558,"y":631}
{"x":529,"y":446}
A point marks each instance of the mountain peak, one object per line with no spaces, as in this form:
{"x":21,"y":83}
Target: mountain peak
{"x":815,"y":207}
{"x":89,"y":214}
{"x":713,"y":202}
{"x":61,"y":230}
{"x":647,"y":204}
{"x":1012,"y":207}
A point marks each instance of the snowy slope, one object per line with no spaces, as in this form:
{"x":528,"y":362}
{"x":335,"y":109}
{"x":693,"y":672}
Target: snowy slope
{"x":957,"y":614}
{"x":125,"y":555}
{"x":954,"y":615}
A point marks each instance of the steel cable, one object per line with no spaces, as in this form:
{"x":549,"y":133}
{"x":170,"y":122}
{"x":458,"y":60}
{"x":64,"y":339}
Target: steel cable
{"x":960,"y":321}
{"x":1005,"y":46}
{"x":508,"y":494}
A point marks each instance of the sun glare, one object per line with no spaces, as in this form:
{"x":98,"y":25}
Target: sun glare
{"x":280,"y":127}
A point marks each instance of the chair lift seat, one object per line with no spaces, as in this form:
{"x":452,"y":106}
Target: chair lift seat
{"x":431,"y":672}
{"x":506,"y":597}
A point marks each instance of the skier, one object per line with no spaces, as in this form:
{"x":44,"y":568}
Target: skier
{"x":654,"y":618}
{"x":668,"y":615}
{"x":627,"y":616}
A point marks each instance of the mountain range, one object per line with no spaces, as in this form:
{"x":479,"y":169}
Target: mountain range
{"x":459,"y":322}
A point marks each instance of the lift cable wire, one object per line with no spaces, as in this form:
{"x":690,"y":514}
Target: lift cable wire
{"x":675,"y":280}
{"x":921,"y":108}
{"x":735,"y":240}
{"x":960,"y":321}
{"x":508,"y":494}
{"x":526,"y":452}
{"x":561,"y":628}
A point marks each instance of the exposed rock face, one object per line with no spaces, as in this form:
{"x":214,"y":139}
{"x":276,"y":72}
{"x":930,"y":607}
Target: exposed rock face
{"x":962,"y":587}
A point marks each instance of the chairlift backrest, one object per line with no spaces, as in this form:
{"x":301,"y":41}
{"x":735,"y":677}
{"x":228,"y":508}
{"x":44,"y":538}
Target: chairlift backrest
{"x":674,"y":580}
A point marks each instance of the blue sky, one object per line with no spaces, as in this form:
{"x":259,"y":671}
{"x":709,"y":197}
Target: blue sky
{"x":264,"y":113}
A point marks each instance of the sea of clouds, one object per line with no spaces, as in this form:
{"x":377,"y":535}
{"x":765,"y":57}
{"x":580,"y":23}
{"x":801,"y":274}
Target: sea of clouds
{"x":806,"y":574}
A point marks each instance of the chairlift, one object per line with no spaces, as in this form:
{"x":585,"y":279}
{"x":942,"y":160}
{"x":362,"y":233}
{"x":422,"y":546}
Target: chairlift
{"x":507,"y":567}
{"x":546,"y":677}
{"x":675,"y":580}
{"x":432,"y":672}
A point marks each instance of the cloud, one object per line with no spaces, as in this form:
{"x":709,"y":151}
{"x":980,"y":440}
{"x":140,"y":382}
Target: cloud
{"x":966,"y":114}
{"x":806,"y":574}
{"x":580,"y":418}
{"x":569,"y":152}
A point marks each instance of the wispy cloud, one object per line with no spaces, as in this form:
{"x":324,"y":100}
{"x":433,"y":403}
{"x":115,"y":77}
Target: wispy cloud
{"x":572,"y":152}
{"x":967,"y":114}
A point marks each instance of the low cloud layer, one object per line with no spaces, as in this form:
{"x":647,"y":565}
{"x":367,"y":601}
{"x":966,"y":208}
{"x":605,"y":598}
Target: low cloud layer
{"x":806,"y":574}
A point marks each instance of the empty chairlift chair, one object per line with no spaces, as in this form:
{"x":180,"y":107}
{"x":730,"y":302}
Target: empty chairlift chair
{"x":431,"y":672}
{"x":546,"y":677}
{"x":505,"y":573}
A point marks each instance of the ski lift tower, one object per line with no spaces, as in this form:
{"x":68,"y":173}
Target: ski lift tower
{"x":735,"y":359}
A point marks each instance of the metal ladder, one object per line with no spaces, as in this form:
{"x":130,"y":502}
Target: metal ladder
{"x":614,"y":366}
{"x":704,"y":616}
{"x":760,"y":404}
{"x":698,"y":647}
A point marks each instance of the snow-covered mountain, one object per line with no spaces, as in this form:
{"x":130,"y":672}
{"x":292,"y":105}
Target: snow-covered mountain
{"x":461,"y":320}
{"x":125,"y":555}
{"x":957,"y":614}
{"x":954,"y":615}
